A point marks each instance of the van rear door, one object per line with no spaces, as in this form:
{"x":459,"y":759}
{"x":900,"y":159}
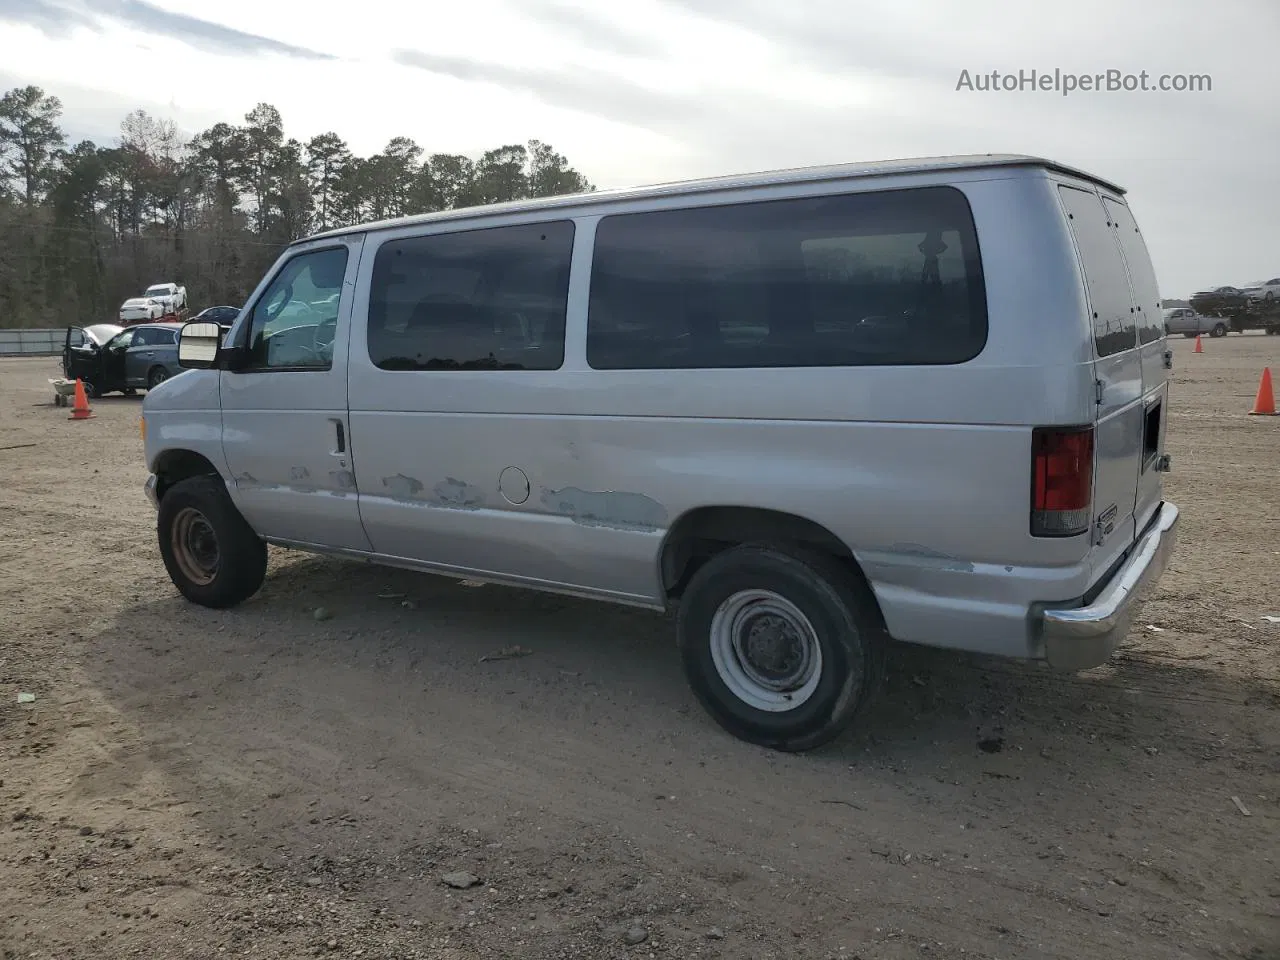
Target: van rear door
{"x":1152,"y":347}
{"x":1117,"y":373}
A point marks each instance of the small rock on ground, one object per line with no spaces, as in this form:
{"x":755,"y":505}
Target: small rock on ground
{"x":460,"y":880}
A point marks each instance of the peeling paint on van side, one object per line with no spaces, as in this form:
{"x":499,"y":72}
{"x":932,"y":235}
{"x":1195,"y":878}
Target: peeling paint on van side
{"x":458,"y":494}
{"x":897,"y":561}
{"x":619,"y":510}
{"x":402,"y":487}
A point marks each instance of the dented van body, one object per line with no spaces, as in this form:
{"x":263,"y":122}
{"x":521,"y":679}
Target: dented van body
{"x":811,"y":410}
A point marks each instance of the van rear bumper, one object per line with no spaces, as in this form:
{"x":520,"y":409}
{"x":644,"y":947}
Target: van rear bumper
{"x":1077,"y":638}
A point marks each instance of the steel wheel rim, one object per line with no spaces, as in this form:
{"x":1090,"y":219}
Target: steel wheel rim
{"x":195,"y":546}
{"x":766,"y":651}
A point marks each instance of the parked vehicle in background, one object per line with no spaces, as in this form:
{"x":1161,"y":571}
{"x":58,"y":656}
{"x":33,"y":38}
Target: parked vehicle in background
{"x":170,"y":296}
{"x":133,"y":358}
{"x":140,"y":310}
{"x":1236,"y":309}
{"x":222,"y":315}
{"x":1265,"y":290}
{"x":1189,"y":323}
{"x":804,"y":410}
{"x":1219,"y":302}
{"x":160,"y":300}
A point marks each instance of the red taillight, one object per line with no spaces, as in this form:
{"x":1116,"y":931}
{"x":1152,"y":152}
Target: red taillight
{"x":1062,"y":481}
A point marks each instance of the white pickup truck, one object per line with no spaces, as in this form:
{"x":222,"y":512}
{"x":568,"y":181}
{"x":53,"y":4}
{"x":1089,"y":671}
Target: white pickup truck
{"x":1189,"y":323}
{"x":158,"y":300}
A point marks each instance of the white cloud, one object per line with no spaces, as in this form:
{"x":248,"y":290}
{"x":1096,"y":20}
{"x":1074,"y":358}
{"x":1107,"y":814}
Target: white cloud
{"x":662,"y":89}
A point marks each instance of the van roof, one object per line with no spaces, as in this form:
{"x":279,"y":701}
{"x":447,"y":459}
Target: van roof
{"x":865,"y":169}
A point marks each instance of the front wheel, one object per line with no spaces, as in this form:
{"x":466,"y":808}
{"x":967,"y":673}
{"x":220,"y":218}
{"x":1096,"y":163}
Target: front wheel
{"x":782,"y":647}
{"x":211,"y":553}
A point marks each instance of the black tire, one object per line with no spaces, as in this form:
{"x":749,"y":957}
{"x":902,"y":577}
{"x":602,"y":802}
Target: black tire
{"x":848,"y":629}
{"x":231,"y":572}
{"x":90,"y":391}
{"x":1219,"y":330}
{"x":157,"y":376}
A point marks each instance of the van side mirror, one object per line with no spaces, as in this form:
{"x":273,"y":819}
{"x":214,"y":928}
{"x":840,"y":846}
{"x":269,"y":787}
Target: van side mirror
{"x":199,"y":345}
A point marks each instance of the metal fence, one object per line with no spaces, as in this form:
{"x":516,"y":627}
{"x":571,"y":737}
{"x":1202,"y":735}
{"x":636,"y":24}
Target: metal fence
{"x":32,"y":343}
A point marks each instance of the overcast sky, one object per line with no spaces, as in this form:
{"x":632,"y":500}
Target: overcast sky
{"x":652,"y":90}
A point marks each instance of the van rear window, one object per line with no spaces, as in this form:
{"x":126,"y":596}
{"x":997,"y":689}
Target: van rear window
{"x":1142,"y":275}
{"x":889,"y":277}
{"x":1115,"y":327}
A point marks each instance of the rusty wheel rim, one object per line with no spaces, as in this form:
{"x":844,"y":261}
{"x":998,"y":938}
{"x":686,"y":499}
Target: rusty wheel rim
{"x":195,"y":546}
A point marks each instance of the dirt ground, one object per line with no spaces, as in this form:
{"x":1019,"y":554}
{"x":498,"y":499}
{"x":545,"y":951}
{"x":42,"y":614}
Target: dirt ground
{"x":261,"y":783}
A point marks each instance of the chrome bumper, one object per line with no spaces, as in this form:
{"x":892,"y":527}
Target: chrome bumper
{"x":1078,"y":638}
{"x":150,"y":488}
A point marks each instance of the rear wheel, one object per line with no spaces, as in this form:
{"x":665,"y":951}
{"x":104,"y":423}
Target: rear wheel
{"x":784,"y":647}
{"x":211,"y":553}
{"x":1219,"y":330}
{"x":157,"y":376}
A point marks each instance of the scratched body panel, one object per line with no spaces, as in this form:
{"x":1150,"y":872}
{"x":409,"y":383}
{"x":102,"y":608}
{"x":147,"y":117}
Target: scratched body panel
{"x":278,"y":437}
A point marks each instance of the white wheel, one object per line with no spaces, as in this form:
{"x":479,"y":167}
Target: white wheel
{"x":765,"y":650}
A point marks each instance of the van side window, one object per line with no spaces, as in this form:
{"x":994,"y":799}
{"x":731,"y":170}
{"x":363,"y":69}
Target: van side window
{"x":888,"y":277}
{"x":295,"y":320}
{"x":1105,"y":277}
{"x":488,"y":299}
{"x":1142,"y":276}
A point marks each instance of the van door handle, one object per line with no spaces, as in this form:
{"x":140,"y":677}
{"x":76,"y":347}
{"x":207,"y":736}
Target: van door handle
{"x":341,"y":449}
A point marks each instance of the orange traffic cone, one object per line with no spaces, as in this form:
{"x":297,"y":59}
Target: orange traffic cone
{"x":81,"y":409}
{"x":1264,"y":405}
{"x":1198,"y":349}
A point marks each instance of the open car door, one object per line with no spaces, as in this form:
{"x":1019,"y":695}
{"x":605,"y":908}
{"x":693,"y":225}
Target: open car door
{"x":75,"y":344}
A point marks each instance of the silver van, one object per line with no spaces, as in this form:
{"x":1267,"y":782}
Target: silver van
{"x":810,"y":411}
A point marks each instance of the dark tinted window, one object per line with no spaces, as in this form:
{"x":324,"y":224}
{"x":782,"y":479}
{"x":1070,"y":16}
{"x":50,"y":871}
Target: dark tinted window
{"x":491,"y":299}
{"x":1142,"y":276}
{"x":219,"y":314}
{"x":874,"y":278}
{"x":154,"y":337}
{"x":1114,"y":323}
